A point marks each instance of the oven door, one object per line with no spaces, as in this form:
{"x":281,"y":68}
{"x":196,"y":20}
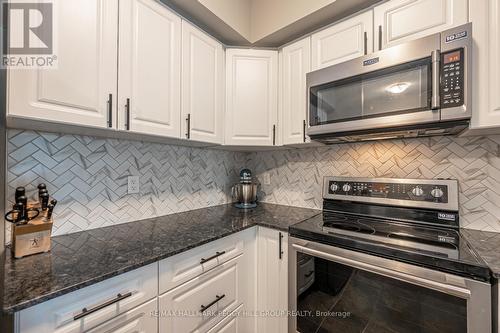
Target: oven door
{"x":395,"y":87}
{"x":337,"y":290}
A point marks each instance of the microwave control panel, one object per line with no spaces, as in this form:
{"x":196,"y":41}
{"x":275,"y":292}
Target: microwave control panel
{"x":452,"y":78}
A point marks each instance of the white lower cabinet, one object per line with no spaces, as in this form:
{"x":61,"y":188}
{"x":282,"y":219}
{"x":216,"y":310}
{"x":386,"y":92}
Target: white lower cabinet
{"x":198,"y":305}
{"x":142,"y":319}
{"x":221,"y":297}
{"x":230,"y":324}
{"x":207,"y":288}
{"x":66,"y":314}
{"x":272,"y":275}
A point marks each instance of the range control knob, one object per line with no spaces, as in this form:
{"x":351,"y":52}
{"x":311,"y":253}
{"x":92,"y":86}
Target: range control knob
{"x":346,"y":188}
{"x":437,"y":193}
{"x":417,"y":191}
{"x":334,"y":187}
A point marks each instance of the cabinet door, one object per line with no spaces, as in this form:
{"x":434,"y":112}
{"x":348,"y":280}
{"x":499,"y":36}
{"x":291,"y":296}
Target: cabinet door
{"x":296,"y":62}
{"x":202,"y":85}
{"x":77,"y":91}
{"x":397,"y":21}
{"x":485,"y":17}
{"x":272,"y":275}
{"x":149,"y":68}
{"x":251,"y":97}
{"x":343,"y":41}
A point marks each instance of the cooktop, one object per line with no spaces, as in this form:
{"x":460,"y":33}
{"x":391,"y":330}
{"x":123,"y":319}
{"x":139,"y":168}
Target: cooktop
{"x":381,"y":218}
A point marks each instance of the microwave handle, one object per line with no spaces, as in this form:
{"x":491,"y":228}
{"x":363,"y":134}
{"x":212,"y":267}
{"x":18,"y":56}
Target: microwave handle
{"x":436,"y":82}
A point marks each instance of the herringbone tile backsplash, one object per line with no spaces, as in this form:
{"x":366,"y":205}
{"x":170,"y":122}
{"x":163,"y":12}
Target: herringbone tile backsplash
{"x":88,"y":176}
{"x":296,"y":175}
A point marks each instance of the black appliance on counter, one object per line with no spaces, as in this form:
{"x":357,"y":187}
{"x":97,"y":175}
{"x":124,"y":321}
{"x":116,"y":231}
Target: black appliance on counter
{"x":386,"y":255}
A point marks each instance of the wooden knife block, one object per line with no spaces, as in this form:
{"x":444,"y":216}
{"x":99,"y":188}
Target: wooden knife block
{"x":32,"y":238}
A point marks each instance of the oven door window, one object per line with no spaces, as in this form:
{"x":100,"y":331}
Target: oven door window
{"x":333,"y":297}
{"x":400,"y":89}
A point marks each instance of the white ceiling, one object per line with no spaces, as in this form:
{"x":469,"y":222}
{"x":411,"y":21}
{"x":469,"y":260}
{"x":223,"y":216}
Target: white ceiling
{"x":268,"y":23}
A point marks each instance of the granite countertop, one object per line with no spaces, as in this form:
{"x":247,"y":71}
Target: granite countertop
{"x":487,"y":245}
{"x":80,"y":259}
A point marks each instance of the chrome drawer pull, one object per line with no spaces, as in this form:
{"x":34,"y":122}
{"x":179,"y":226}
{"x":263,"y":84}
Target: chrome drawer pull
{"x":86,"y":312}
{"x":217,"y":254}
{"x":217,"y":298}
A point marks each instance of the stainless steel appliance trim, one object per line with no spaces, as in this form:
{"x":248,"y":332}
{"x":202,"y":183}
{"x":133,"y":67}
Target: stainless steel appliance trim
{"x":477,"y":294}
{"x":464,"y":110}
{"x":395,"y":274}
{"x":436,"y":68}
{"x":419,"y":117}
{"x":396,"y":55}
{"x":452,"y":185}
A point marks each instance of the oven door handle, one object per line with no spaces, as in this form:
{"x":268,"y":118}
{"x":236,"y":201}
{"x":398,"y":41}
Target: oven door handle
{"x":438,"y":286}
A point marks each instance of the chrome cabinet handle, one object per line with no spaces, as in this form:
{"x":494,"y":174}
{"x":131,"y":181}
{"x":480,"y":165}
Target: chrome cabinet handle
{"x":110,"y":110}
{"x":436,"y":64}
{"x":127,"y":115}
{"x":204,"y":308}
{"x":86,"y":312}
{"x":216,"y":255}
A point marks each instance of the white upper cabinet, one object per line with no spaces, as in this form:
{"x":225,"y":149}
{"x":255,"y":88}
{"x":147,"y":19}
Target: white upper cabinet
{"x":149,"y":68}
{"x":202,"y":86}
{"x":251,"y":97}
{"x":295,"y":62}
{"x":343,"y":41}
{"x":398,"y":21}
{"x":77,"y":91}
{"x":485,"y":17}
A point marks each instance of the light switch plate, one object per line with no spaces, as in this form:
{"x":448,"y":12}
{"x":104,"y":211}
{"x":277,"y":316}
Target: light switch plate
{"x":133,"y":184}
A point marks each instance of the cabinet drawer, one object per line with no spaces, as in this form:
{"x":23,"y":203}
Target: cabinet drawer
{"x":198,"y":305}
{"x":188,"y":265}
{"x":230,"y":324}
{"x":58,"y":315}
{"x":142,"y":319}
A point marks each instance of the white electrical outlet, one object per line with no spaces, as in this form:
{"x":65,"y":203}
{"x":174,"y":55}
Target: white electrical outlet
{"x":133,"y":184}
{"x":267,"y":178}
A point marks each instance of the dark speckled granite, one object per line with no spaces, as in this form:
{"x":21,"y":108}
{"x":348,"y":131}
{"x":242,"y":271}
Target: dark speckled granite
{"x":487,"y":246}
{"x":84,"y":258}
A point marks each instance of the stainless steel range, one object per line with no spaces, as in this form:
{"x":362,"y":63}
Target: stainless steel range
{"x":386,"y":255}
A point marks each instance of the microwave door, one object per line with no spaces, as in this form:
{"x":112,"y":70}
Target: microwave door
{"x":400,"y":95}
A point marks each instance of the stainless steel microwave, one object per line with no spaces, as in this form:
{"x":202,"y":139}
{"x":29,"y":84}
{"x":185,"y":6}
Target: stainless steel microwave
{"x":419,"y":88}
